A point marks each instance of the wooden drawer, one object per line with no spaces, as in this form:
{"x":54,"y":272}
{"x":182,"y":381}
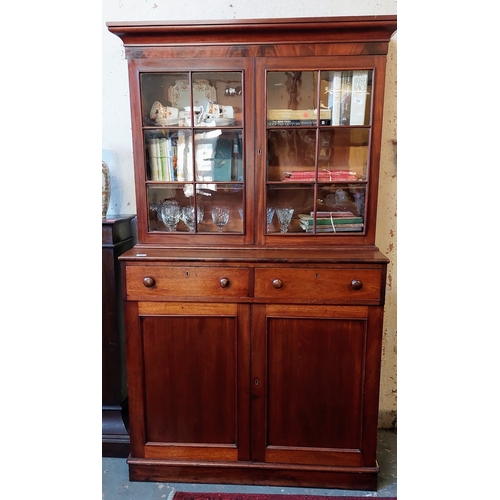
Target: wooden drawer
{"x":151,"y":282}
{"x":317,"y":285}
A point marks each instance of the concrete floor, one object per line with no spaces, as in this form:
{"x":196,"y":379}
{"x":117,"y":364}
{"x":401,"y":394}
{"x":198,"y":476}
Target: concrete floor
{"x":115,"y":483}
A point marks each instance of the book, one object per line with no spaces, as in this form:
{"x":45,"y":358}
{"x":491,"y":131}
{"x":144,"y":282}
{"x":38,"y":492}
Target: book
{"x":298,"y":114}
{"x":296,"y":123}
{"x":335,"y":93}
{"x":223,"y":159}
{"x":204,"y":159}
{"x":345,"y":99}
{"x":153,"y":159}
{"x":298,"y":117}
{"x":334,"y":214}
{"x":181,"y":156}
{"x":358,"y":97}
{"x":163,"y":159}
{"x":309,"y":220}
{"x":170,"y":160}
{"x":189,"y":176}
{"x":323,"y":175}
{"x":336,"y":229}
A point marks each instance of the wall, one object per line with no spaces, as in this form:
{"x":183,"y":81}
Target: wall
{"x":117,"y":138}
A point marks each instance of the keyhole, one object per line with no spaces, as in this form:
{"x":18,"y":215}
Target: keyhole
{"x":187,"y":274}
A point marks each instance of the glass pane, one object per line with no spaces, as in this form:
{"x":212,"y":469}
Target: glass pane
{"x":220,"y":95}
{"x":161,"y":147}
{"x":292,"y":98}
{"x":290,"y":151}
{"x":288,"y":201}
{"x":340,"y":208}
{"x":223,"y":208}
{"x":214,"y":101}
{"x":343,"y":154}
{"x":218,"y":155}
{"x":157,"y":92}
{"x":347,"y":96}
{"x":181,"y":218}
{"x":169,"y":155}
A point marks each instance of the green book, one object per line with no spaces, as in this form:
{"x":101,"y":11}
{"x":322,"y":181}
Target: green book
{"x":307,"y":219}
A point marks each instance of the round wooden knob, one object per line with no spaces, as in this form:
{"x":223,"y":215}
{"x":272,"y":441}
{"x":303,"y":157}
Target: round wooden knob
{"x":224,"y":282}
{"x":148,"y":281}
{"x":356,"y":284}
{"x":277,"y":283}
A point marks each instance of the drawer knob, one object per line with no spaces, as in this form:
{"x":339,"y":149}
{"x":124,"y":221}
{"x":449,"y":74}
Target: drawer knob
{"x":224,"y":282}
{"x":277,"y":283}
{"x":356,"y":284}
{"x":148,"y":281}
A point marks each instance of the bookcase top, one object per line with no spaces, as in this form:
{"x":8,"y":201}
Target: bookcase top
{"x":324,"y":29}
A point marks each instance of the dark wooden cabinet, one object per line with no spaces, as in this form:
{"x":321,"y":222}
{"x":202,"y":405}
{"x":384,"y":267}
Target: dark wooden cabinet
{"x":118,"y":236}
{"x":253,"y":348}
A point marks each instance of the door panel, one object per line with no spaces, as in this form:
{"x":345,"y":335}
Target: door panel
{"x":315,"y":382}
{"x":192,"y":369}
{"x":309,"y":401}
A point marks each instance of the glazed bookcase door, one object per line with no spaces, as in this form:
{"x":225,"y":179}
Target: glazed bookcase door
{"x":317,"y":169}
{"x":190,"y":157}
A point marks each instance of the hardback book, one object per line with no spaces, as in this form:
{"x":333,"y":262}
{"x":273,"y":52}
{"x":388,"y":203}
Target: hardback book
{"x":348,"y":228}
{"x":296,"y":123}
{"x":298,"y":114}
{"x":204,"y":157}
{"x":181,"y":156}
{"x":163,"y":159}
{"x":188,"y":155}
{"x":323,"y":175}
{"x":170,"y":160}
{"x":335,"y":93}
{"x":358,"y":97}
{"x":334,"y":214}
{"x":309,"y":220}
{"x":154,"y":159}
{"x":223,"y":159}
{"x":345,"y":100}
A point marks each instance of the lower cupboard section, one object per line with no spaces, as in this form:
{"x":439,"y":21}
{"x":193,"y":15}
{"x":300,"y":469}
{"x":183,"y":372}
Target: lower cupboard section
{"x":254,"y":393}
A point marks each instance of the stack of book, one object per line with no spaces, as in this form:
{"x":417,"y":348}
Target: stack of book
{"x":323,"y":176}
{"x":331,"y":222}
{"x":161,"y":159}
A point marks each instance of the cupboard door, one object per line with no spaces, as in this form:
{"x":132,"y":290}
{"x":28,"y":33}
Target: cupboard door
{"x":311,"y":401}
{"x":194,"y":361}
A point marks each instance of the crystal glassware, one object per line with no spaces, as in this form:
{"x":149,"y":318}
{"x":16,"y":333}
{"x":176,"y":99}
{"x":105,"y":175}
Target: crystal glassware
{"x":269,"y":215}
{"x":170,"y":214}
{"x":187,"y":216}
{"x":220,"y":216}
{"x":200,"y":213}
{"x":284,"y":218}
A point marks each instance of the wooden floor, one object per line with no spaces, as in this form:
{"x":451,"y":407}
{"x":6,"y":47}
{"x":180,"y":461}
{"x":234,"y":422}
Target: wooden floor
{"x":115,"y":483}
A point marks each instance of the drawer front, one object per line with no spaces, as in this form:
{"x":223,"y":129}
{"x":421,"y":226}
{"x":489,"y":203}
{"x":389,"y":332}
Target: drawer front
{"x":150,"y":282}
{"x":313,"y":285}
